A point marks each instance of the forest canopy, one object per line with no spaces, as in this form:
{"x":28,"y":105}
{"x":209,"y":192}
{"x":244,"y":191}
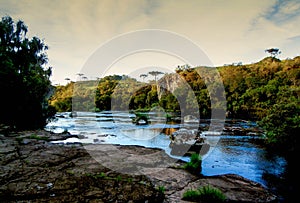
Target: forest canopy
{"x":267,"y":91}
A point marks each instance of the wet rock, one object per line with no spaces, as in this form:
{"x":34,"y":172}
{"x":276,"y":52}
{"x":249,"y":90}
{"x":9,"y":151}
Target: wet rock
{"x":43,"y":172}
{"x":187,"y":142}
{"x":235,"y":188}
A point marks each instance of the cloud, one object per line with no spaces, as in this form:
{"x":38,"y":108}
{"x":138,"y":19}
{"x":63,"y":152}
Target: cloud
{"x":294,"y":38}
{"x":228,"y":31}
{"x":275,"y":26}
{"x":283,"y":11}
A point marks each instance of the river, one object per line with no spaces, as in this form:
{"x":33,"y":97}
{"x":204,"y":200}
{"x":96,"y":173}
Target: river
{"x":236,"y":153}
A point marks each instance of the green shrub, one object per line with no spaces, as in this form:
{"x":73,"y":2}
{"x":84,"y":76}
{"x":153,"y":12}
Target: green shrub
{"x":191,"y":195}
{"x":162,"y":189}
{"x":194,"y":165}
{"x":211,"y":194}
{"x":205,"y":193}
{"x":119,"y":178}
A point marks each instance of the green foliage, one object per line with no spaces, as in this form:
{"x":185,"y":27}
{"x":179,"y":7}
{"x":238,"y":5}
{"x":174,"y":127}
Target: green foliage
{"x":71,"y":172}
{"x":62,"y":99}
{"x":37,"y":137}
{"x":191,"y":195}
{"x":140,"y":116}
{"x":266,"y":91}
{"x":24,"y":77}
{"x":282,"y":122}
{"x":161,"y":189}
{"x":205,"y":194}
{"x":194,"y":165}
{"x":252,"y":89}
{"x":33,"y":136}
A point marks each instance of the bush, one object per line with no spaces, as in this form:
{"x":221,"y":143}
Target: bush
{"x":194,"y":165}
{"x":191,"y":195}
{"x":282,"y":123}
{"x":205,"y":193}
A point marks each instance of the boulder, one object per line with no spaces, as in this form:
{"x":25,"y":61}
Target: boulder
{"x":186,"y":142}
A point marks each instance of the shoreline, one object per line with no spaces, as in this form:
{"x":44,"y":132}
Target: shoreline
{"x":34,"y":169}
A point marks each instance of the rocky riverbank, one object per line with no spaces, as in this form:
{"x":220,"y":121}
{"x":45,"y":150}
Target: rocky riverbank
{"x":33,"y":169}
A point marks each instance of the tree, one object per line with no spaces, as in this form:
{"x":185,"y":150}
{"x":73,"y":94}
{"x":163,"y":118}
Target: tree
{"x":155,"y":74}
{"x":24,"y":80}
{"x":80,"y":75}
{"x":273,"y":52}
{"x":282,"y":121}
{"x":67,"y":79}
{"x":143,"y":76}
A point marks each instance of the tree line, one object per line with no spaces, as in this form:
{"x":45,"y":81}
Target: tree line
{"x":267,"y":91}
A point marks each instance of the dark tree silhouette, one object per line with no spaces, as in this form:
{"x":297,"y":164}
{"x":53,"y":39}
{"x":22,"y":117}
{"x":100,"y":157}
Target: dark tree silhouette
{"x":143,"y":76}
{"x":24,"y":80}
{"x":80,"y":75}
{"x":155,"y":74}
{"x":273,"y":52}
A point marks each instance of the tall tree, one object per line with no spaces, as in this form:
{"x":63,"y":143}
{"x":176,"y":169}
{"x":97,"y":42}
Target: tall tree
{"x":24,"y":80}
{"x":155,"y":74}
{"x":80,"y":75}
{"x":273,"y":52}
{"x":143,"y":76}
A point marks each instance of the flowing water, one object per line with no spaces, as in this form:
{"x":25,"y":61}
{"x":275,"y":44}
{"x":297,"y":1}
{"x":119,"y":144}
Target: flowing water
{"x":237,"y":154}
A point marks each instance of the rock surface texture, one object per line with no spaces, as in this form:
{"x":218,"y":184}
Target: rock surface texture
{"x":32,"y":169}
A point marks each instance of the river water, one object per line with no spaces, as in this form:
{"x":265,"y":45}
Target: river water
{"x":232,"y":153}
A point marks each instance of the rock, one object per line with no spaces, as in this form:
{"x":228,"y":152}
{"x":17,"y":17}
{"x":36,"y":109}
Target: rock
{"x":235,"y":188}
{"x":43,"y":172}
{"x":186,"y":142}
{"x":190,"y":119}
{"x":4,"y":129}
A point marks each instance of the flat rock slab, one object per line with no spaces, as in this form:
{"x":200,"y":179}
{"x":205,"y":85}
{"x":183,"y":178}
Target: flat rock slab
{"x":34,"y":170}
{"x":234,"y":187}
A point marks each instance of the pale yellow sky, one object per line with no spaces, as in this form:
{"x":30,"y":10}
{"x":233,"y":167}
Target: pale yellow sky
{"x":227,"y":31}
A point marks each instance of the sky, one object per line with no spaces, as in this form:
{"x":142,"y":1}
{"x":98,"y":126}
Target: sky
{"x":227,"y":31}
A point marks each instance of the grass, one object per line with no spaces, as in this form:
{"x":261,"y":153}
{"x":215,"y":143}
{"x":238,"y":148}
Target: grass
{"x":32,"y":136}
{"x":36,"y":137}
{"x":194,"y":165}
{"x":191,"y":195}
{"x":161,"y":192}
{"x":161,"y":189}
{"x":119,"y":178}
{"x":206,"y":193}
{"x":71,"y":172}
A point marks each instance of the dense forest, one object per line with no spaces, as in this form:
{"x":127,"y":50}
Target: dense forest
{"x":267,"y":91}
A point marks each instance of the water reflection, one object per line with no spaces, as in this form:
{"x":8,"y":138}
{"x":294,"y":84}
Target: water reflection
{"x":170,"y":130}
{"x":242,"y":155}
{"x":141,"y":133}
{"x":235,"y":154}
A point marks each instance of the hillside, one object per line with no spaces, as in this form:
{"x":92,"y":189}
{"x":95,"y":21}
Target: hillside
{"x":267,"y":91}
